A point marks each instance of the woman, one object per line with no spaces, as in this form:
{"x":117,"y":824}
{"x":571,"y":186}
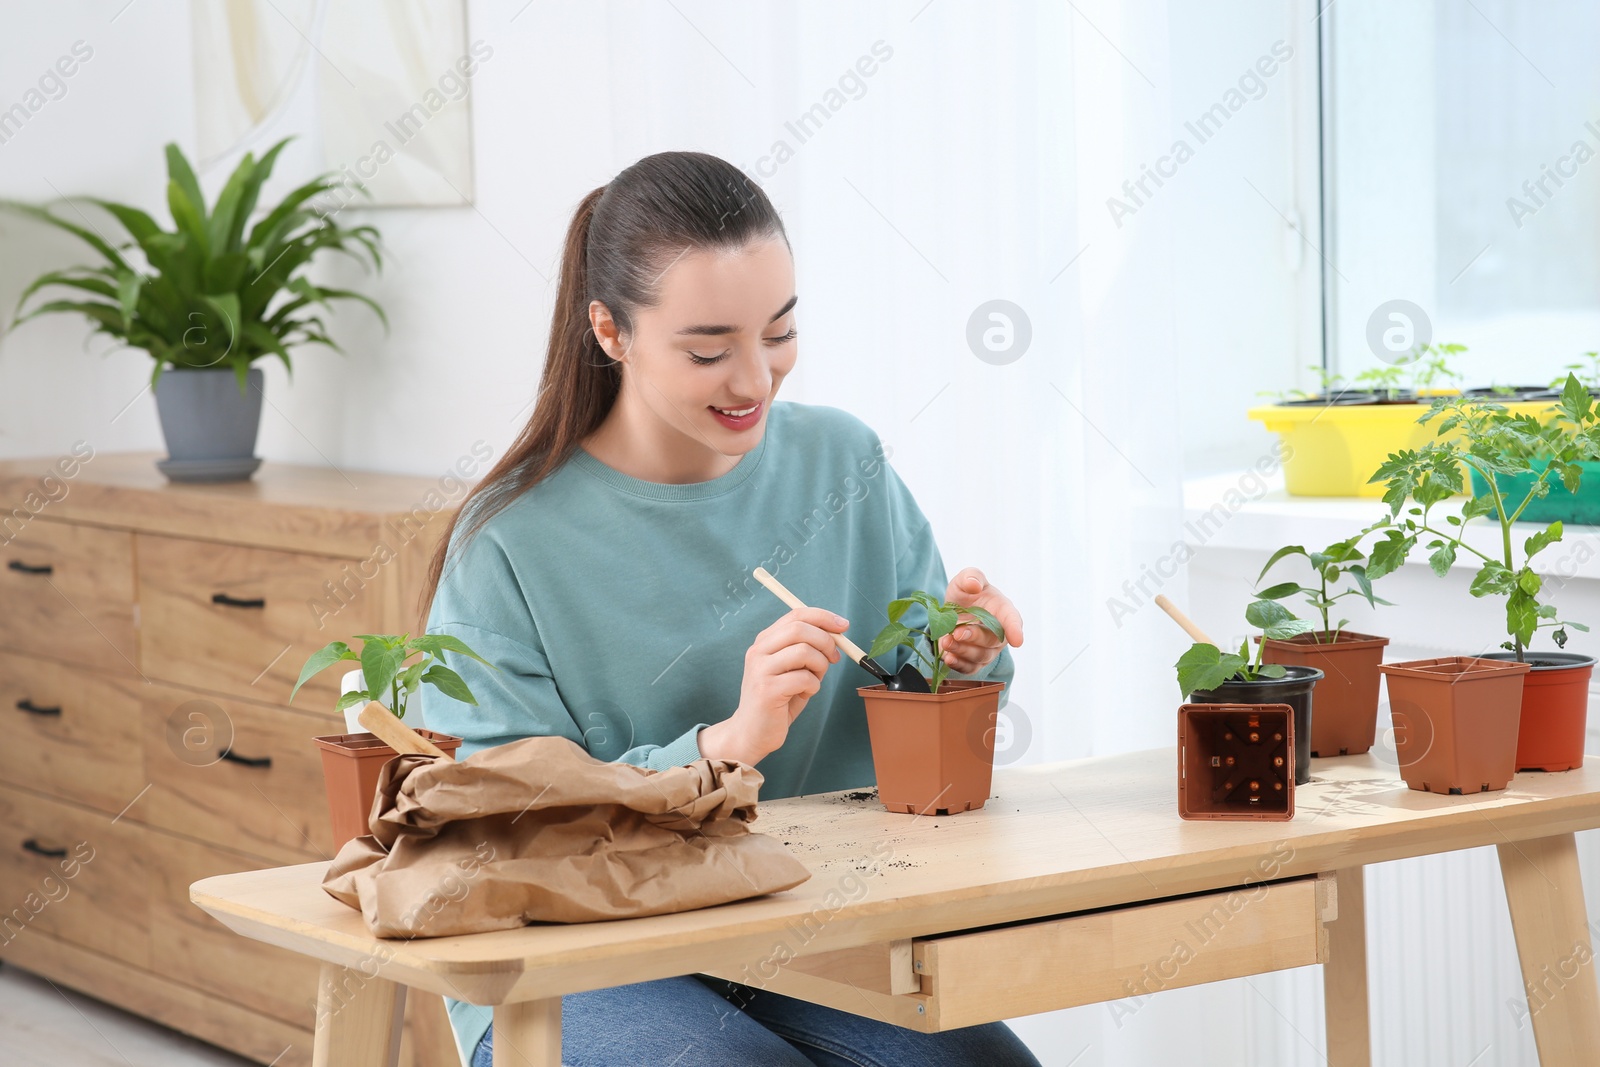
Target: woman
{"x":604,"y":566}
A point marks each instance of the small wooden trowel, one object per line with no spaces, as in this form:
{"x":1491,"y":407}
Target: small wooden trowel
{"x":907,"y":680}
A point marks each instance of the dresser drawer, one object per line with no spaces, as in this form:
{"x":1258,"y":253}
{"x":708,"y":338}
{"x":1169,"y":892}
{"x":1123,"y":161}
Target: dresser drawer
{"x":243,"y":621}
{"x":68,"y":593}
{"x":73,"y":874}
{"x":189,"y":946}
{"x":264,"y":797}
{"x":72,"y":732}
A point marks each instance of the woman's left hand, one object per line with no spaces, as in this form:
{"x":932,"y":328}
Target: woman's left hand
{"x":971,"y":647}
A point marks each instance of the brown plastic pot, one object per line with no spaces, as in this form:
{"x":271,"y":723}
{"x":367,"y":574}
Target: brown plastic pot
{"x":1455,"y":721}
{"x":1295,"y":689}
{"x":1236,"y":761}
{"x":350,"y":766}
{"x":1346,"y":722}
{"x":933,"y":752}
{"x":1555,"y":710}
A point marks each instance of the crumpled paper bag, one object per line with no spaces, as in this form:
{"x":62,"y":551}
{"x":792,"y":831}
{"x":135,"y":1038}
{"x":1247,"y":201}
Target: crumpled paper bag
{"x":538,"y":830}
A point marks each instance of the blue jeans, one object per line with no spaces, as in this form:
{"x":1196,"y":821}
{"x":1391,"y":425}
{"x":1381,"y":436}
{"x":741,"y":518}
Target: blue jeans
{"x":696,"y":1021}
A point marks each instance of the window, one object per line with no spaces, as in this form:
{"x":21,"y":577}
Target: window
{"x":1461,"y":150}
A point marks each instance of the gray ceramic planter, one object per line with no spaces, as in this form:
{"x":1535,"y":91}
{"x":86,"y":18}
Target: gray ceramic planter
{"x":209,"y":427}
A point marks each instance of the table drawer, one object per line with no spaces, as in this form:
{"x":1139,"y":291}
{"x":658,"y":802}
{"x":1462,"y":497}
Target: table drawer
{"x":73,"y":874}
{"x":243,"y":621}
{"x":1005,"y":972}
{"x":68,"y":593}
{"x":191,"y":947}
{"x":265,"y":797}
{"x":71,"y":732}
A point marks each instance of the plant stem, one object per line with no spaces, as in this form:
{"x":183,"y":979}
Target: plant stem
{"x":1423,"y":526}
{"x":1323,"y":578}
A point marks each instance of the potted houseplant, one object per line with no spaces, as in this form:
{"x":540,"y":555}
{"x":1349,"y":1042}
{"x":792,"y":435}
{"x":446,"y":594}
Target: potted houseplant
{"x":1347,"y":696}
{"x":206,"y":299}
{"x":351,"y":761}
{"x":1209,"y":675}
{"x":933,"y":752}
{"x":1471,"y":722}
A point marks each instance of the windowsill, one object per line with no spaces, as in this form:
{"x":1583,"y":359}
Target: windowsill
{"x":1218,"y":514}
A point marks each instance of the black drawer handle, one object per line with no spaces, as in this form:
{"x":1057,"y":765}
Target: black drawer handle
{"x":33,"y":709}
{"x":248,"y":761}
{"x":235,"y":602}
{"x":39,"y":850}
{"x":28,"y":568}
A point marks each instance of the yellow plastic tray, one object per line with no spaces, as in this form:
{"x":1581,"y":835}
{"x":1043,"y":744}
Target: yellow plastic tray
{"x":1332,"y":451}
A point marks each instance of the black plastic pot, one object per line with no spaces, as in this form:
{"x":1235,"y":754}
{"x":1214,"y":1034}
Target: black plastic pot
{"x":1293,"y":689}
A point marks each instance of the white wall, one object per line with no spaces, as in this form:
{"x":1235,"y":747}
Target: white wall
{"x":565,"y":102}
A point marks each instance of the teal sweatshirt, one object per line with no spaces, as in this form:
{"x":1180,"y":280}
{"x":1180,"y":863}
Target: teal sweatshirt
{"x":619,"y":611}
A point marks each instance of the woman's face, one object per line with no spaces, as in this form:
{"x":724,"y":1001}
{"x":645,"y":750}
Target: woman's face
{"x":720,"y":340}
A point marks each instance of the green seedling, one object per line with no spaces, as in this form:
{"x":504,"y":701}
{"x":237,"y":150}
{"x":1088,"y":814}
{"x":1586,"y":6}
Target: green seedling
{"x":1587,"y":371}
{"x":1330,"y":565}
{"x":942,"y":619}
{"x":1205,"y":666}
{"x":382,"y":659}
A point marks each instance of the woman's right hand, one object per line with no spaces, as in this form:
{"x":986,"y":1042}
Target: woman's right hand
{"x":783,"y":669}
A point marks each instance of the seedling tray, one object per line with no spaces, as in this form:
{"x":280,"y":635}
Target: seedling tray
{"x":1236,"y":761}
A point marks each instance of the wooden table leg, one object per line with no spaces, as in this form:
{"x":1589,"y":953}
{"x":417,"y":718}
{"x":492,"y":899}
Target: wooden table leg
{"x":528,"y":1034}
{"x":358,"y":1019}
{"x":1344,"y":976}
{"x":1544,"y":889}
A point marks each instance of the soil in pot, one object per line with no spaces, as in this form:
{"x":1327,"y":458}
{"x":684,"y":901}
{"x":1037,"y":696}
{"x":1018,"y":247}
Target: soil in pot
{"x":1293,"y":689}
{"x":1455,"y":721}
{"x":350,"y":766}
{"x":1347,"y":397}
{"x":1346,"y":722}
{"x":1236,"y":761}
{"x":1506,"y":392}
{"x":1555,"y":709}
{"x":933,"y":752}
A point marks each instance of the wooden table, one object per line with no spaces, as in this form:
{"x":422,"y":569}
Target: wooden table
{"x":1076,"y":884}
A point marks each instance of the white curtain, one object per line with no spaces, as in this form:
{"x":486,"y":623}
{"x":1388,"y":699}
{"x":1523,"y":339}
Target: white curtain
{"x":960,"y":173}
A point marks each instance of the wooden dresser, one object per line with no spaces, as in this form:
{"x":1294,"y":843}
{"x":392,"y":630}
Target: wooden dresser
{"x":150,"y":635}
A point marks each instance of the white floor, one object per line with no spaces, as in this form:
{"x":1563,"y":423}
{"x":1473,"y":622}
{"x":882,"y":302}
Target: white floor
{"x":43,"y":1024}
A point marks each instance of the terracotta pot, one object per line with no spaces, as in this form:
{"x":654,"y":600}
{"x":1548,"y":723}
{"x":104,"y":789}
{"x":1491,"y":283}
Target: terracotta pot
{"x":1555,"y":710}
{"x":1347,"y":697}
{"x":350,"y":766}
{"x":1455,"y":721}
{"x":1236,"y":761}
{"x":1293,"y":689}
{"x":933,"y":752}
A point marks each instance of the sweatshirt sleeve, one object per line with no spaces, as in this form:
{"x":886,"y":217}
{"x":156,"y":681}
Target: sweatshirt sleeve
{"x":918,"y":565}
{"x":481,"y":603}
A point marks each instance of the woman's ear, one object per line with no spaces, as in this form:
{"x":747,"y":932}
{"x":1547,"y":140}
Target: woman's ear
{"x":605,"y":331}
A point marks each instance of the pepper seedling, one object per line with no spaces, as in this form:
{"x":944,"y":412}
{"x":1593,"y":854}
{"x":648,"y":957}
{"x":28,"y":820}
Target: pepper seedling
{"x":1330,"y":565}
{"x":382,"y":658}
{"x":1205,"y":666}
{"x":942,"y":619}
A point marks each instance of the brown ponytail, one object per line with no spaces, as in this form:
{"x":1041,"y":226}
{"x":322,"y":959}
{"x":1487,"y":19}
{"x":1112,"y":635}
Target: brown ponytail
{"x":622,"y":239}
